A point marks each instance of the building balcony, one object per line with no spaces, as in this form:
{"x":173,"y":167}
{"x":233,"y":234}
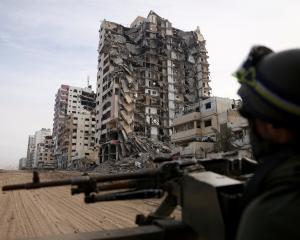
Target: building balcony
{"x":187,"y":135}
{"x":193,"y":116}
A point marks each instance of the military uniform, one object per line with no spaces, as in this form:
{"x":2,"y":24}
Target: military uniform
{"x":273,"y":197}
{"x":270,"y":93}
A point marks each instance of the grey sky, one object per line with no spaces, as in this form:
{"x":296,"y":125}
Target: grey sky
{"x":49,"y":42}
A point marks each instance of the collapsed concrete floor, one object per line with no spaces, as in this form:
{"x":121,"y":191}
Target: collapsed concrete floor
{"x":142,"y":152}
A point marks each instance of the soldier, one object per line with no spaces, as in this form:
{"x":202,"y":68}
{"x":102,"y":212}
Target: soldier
{"x":270,"y":90}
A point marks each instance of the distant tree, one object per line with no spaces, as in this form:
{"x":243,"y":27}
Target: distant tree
{"x":224,"y":139}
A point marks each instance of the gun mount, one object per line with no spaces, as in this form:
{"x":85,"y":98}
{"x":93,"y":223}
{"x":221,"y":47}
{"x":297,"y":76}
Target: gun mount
{"x":208,"y":200}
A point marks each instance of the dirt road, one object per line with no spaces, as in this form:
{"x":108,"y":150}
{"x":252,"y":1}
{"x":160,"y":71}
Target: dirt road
{"x":54,"y":211}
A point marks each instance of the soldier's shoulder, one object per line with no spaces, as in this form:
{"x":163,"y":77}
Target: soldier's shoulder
{"x":272,"y":215}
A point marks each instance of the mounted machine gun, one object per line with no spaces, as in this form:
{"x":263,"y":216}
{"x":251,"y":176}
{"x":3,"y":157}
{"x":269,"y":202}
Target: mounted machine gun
{"x":208,"y":192}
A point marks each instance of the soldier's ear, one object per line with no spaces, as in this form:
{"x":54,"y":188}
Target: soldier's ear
{"x":273,"y":133}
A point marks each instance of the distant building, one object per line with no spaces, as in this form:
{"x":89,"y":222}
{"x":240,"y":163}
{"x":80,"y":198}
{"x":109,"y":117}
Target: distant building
{"x":22,"y":163}
{"x":145,"y":74}
{"x":30,"y":152}
{"x":74,"y":123}
{"x":45,"y":152}
{"x":60,"y":108}
{"x":39,"y":137}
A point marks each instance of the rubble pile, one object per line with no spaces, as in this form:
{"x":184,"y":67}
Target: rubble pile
{"x":129,"y":164}
{"x":143,"y":151}
{"x":82,"y":164}
{"x":141,"y":144}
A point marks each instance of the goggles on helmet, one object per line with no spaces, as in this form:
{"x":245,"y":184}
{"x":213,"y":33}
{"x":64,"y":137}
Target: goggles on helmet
{"x":247,"y":74}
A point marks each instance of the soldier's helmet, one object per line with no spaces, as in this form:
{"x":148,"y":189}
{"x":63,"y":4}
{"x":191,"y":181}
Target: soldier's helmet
{"x":270,"y":86}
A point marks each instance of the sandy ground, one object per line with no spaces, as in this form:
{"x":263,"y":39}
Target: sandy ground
{"x":53,"y":211}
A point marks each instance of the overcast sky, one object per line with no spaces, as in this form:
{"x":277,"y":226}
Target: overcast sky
{"x":46,"y":43}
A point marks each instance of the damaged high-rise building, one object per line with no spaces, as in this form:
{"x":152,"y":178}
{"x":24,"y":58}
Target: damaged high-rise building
{"x":146,"y":73}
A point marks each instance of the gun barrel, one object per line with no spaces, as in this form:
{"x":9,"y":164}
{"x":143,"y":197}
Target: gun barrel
{"x":36,"y":185}
{"x":83,"y":179}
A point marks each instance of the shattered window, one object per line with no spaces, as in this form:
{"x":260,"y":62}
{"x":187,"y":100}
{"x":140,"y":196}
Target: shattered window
{"x":207,"y":123}
{"x":106,"y":105}
{"x":208,"y":105}
{"x":190,"y":125}
{"x":106,"y":70}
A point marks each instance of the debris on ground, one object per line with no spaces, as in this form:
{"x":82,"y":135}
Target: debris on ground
{"x":143,"y":152}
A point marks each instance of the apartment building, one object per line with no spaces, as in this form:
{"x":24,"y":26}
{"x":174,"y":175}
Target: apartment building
{"x":77,"y":137}
{"x":146,"y":73}
{"x":30,"y":151}
{"x":196,"y":128}
{"x":22,"y":163}
{"x":33,"y":146}
{"x":74,"y":123}
{"x":45,"y":152}
{"x":39,"y":137}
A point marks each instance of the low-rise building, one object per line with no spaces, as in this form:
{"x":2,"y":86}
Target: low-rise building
{"x":201,"y":128}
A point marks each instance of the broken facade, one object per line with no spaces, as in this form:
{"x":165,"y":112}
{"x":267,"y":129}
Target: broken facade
{"x":146,"y":73}
{"x":45,"y":154}
{"x":77,"y":139}
{"x":197,"y":128}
